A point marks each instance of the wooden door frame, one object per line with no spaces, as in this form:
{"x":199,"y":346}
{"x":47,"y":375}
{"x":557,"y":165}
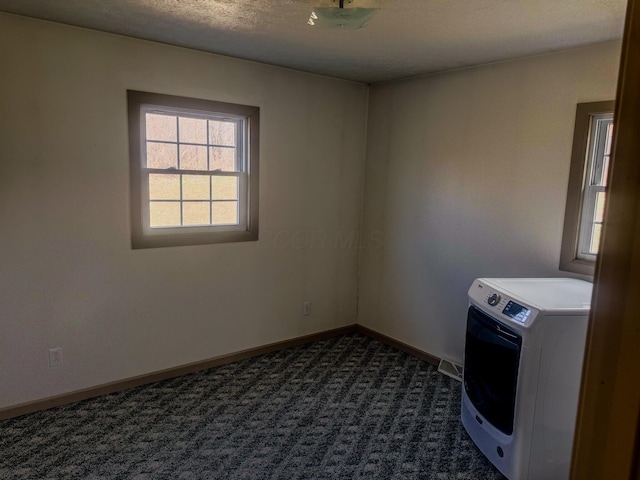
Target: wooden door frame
{"x":607,"y":430}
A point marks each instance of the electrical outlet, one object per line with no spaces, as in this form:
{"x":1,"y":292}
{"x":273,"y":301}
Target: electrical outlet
{"x":306,"y":308}
{"x":55,"y":357}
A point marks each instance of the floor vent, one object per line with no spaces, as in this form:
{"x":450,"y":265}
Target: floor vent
{"x":450,"y":369}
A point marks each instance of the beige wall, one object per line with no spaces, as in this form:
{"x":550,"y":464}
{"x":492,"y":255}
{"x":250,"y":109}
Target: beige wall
{"x":68,"y":276}
{"x":466,"y":177}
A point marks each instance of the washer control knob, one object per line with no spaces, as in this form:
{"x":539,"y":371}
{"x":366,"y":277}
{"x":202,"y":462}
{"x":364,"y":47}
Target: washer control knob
{"x":493,"y":299}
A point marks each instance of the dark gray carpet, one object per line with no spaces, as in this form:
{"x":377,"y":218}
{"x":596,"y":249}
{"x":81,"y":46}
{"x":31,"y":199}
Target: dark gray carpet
{"x":344,"y":408}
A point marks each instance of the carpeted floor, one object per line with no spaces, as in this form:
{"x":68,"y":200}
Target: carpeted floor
{"x":345,"y":408}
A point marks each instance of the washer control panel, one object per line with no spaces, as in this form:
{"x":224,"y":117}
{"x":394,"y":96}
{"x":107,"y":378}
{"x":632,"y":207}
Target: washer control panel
{"x":498,"y":304}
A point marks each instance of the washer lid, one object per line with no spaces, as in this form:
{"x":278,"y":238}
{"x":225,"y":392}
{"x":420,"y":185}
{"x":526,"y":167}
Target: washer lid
{"x":565,"y":296}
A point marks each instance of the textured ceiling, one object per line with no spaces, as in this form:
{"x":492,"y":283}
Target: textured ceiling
{"x":405,"y":38}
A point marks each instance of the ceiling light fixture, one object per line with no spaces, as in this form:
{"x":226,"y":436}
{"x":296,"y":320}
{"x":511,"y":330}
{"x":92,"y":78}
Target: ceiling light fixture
{"x":341,"y":17}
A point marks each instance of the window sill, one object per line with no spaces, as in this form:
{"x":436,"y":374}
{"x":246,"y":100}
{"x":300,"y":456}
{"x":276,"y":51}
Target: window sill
{"x":582,"y":267}
{"x":193,"y":239}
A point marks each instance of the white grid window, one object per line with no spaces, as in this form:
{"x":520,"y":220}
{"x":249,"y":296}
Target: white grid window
{"x":194,"y":170}
{"x":595,"y":183}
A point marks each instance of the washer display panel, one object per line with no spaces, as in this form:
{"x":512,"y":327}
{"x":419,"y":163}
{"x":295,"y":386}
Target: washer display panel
{"x":516,"y":311}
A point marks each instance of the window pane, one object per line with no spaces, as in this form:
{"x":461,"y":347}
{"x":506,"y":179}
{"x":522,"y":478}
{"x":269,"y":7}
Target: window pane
{"x":164,"y":187}
{"x":605,"y":170}
{"x":599,"y":210}
{"x":599,"y":151}
{"x":193,"y":157}
{"x":161,"y":127}
{"x":224,"y":188}
{"x":196,"y":213}
{"x":595,"y":238}
{"x":599,"y":172}
{"x":222,"y":132}
{"x":193,"y":130}
{"x":164,"y":214}
{"x":607,"y":148}
{"x":195,"y":187}
{"x":223,"y":158}
{"x":162,"y":155}
{"x":224,"y":213}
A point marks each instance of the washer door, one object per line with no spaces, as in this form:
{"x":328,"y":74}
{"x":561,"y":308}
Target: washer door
{"x":491,"y":358}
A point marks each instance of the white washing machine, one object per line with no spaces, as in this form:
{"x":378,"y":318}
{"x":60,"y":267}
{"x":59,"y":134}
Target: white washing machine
{"x":523,"y":362}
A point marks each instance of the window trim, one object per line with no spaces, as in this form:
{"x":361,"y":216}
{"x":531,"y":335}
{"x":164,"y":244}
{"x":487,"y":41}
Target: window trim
{"x":142,"y":237}
{"x":569,"y":260}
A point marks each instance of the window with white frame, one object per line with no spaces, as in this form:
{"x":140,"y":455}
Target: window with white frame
{"x":194,"y":170}
{"x":586,"y":195}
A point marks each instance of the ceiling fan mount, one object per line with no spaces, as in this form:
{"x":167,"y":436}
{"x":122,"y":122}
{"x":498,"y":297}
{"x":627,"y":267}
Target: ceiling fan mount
{"x":341,"y":17}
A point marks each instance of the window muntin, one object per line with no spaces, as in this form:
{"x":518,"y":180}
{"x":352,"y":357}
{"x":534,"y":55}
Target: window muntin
{"x":194,"y":170}
{"x":586,"y":193}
